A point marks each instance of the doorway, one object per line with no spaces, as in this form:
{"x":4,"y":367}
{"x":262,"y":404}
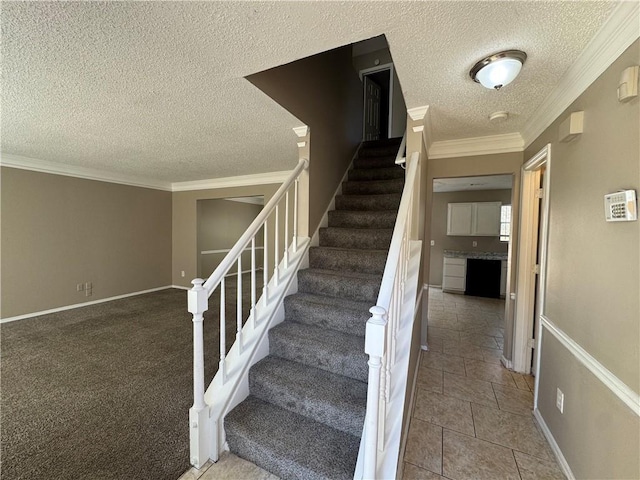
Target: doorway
{"x":532,"y":255}
{"x":461,"y":252}
{"x":378,"y":102}
{"x":220,"y":223}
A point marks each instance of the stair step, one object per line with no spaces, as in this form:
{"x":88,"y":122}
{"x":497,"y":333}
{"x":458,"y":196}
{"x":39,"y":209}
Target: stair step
{"x":380,"y":151}
{"x":376,"y":173}
{"x":385,"y":142}
{"x":385,"y":161}
{"x":362,"y":219}
{"x":348,"y":259}
{"x":289,"y":445}
{"x":362,"y":238}
{"x":351,"y":285}
{"x":369,"y":187}
{"x":329,"y":350}
{"x":344,"y":315}
{"x":389,"y":201}
{"x":334,"y":400}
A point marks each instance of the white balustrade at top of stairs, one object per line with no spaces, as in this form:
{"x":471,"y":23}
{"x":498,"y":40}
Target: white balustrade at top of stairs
{"x":387,"y":340}
{"x":205,"y":416}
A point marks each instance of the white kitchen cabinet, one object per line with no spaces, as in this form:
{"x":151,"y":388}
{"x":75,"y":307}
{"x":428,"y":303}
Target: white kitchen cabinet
{"x":475,"y":219}
{"x":454,"y":274}
{"x":459,"y":218}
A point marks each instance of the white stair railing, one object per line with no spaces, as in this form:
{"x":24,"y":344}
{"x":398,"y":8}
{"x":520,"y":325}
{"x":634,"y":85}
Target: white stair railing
{"x":387,"y":339}
{"x":204,"y":428}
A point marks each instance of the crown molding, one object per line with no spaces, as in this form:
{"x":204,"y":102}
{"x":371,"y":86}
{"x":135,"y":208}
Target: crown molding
{"x":465,"y":147}
{"x":53,"y":168}
{"x":417,"y":113}
{"x":45,"y":166}
{"x":613,"y":38}
{"x":230,"y":182}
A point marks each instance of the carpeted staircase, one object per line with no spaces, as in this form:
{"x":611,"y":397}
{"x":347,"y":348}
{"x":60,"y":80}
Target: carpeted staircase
{"x":305,"y":412}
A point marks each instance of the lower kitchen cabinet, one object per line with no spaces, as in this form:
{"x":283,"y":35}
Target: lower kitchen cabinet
{"x":454,"y":275}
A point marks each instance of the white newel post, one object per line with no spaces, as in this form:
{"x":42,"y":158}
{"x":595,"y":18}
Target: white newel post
{"x":198,"y":303}
{"x":301,"y":214}
{"x":375,"y":347}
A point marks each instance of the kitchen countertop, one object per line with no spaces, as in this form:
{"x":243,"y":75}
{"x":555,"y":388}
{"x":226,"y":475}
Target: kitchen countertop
{"x":476,"y":255}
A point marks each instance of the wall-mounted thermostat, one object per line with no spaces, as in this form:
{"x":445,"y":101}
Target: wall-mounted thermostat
{"x":621,"y":206}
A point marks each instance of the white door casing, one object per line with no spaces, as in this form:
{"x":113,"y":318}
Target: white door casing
{"x":380,"y":68}
{"x":532,"y":216}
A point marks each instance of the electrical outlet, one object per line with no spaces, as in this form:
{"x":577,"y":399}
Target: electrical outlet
{"x":560,"y":400}
{"x":433,"y":242}
{"x":474,"y":243}
{"x":80,"y":287}
{"x":182,"y":273}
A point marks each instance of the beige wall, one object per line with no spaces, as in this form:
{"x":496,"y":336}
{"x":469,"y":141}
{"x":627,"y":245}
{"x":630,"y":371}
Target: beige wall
{"x":220,"y":224}
{"x":495,"y":164}
{"x":399,"y":109}
{"x":185,"y":225}
{"x":59,"y":231}
{"x":439,"y":209}
{"x":325,"y":93}
{"x":593,"y":280}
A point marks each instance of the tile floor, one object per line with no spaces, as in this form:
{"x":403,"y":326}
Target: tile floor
{"x":472,"y":418}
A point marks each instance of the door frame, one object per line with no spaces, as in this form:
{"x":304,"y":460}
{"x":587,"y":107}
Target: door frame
{"x":534,"y":221}
{"x":376,"y":69}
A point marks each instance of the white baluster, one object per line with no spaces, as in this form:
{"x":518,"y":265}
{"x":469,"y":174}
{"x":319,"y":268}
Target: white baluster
{"x":295,"y":217}
{"x":253,"y":281}
{"x":239,"y":306}
{"x":276,"y":254}
{"x":223,"y":331}
{"x":374,"y":346}
{"x":265,"y":265}
{"x":286,"y":230}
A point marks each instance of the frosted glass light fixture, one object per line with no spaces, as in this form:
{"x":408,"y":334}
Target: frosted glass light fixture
{"x":499,"y":69}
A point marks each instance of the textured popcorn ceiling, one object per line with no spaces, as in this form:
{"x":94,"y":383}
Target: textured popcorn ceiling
{"x":156,"y":90}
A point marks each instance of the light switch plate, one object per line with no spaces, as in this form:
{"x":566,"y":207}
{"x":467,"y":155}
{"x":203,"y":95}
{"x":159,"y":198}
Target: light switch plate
{"x":560,"y":400}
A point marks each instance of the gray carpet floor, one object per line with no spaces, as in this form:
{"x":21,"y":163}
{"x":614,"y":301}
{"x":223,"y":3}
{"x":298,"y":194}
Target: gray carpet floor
{"x":103,"y":392}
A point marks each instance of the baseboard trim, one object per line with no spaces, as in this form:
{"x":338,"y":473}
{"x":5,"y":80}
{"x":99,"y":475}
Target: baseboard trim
{"x":86,"y":304}
{"x":508,"y":364}
{"x":612,"y":382}
{"x":564,"y":465}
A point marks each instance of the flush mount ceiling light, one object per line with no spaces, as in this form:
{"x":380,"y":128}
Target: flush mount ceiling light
{"x":499,"y":69}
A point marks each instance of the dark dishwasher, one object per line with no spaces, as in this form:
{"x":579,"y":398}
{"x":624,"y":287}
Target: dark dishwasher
{"x":483,"y":278}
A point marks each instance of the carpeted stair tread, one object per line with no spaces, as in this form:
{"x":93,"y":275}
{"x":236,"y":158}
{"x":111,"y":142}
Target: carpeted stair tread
{"x":289,"y":445}
{"x":363,"y":238}
{"x":348,"y":259}
{"x":384,"y":142}
{"x":368,"y":187}
{"x":325,"y":397}
{"x":378,"y":151}
{"x":375,"y":162}
{"x":389,"y":173}
{"x":388,"y":201}
{"x":363,"y":219}
{"x":351,"y":285}
{"x":329,"y":350}
{"x":342,"y":314}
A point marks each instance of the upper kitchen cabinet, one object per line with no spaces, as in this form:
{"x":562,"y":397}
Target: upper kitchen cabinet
{"x":474,"y":219}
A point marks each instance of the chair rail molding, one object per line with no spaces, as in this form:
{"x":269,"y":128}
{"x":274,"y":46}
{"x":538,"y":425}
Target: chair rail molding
{"x":625,"y":393}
